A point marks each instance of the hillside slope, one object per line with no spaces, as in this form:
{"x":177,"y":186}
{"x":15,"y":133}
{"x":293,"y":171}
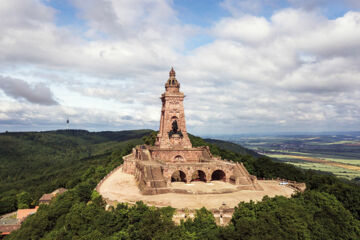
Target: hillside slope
{"x":39,"y":162}
{"x":232,"y":147}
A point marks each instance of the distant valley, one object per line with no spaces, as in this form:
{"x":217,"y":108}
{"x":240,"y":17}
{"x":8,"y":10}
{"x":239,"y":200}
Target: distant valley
{"x":335,"y":153}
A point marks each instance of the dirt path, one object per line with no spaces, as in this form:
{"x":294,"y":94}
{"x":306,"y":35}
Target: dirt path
{"x":327,"y":162}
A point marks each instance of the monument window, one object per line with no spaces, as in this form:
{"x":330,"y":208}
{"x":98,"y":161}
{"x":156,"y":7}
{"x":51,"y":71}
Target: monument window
{"x":178,"y":176}
{"x":218,"y":175}
{"x":198,"y":176}
{"x":178,"y":158}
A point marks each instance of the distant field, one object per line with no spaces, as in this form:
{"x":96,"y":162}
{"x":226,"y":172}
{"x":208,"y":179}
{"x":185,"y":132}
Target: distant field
{"x":336,"y":153}
{"x":341,"y":172}
{"x":308,"y":157}
{"x":316,"y":160}
{"x":339,"y":167}
{"x":346,"y":161}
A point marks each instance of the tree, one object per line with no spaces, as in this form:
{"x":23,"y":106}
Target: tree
{"x":23,"y":200}
{"x":203,"y":226}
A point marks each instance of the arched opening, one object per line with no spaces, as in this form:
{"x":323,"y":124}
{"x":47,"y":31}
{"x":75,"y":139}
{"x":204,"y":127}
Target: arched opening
{"x":218,"y":175}
{"x":178,"y":158}
{"x":198,"y":176}
{"x":178,"y":176}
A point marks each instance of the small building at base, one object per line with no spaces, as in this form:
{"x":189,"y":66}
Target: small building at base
{"x":47,"y":197}
{"x":174,"y":159}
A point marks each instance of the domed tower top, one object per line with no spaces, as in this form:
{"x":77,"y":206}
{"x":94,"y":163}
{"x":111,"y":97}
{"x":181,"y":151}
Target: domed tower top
{"x":172,"y":85}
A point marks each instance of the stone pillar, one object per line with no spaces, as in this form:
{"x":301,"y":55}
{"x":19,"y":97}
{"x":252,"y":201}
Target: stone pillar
{"x":208,"y":176}
{"x":188,"y":179}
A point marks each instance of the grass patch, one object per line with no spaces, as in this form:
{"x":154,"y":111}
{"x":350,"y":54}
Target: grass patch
{"x":286,"y":157}
{"x":338,"y":171}
{"x":346,"y":161}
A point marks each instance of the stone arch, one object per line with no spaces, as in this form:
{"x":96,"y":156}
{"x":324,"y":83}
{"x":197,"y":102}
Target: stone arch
{"x":178,"y":158}
{"x":198,"y":175}
{"x":218,"y":175}
{"x":178,"y":176}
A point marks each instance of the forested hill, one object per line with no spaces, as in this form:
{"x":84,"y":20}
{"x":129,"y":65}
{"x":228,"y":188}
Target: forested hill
{"x":232,"y":147}
{"x":34,"y":163}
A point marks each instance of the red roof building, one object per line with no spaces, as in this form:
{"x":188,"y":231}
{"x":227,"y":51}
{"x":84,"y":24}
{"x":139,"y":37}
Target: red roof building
{"x":47,"y":197}
{"x":22,"y":214}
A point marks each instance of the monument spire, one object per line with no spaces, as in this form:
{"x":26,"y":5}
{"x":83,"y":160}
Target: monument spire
{"x":172,"y":72}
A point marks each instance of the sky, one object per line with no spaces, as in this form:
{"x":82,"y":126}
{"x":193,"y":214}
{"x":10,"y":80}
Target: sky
{"x":245,"y":66}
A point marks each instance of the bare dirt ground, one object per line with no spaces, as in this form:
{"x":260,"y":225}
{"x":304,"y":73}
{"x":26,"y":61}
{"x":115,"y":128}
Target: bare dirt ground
{"x":121,"y":187}
{"x":204,"y":187}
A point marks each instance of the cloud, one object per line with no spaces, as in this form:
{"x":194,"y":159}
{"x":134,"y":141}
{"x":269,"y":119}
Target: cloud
{"x":247,"y":29}
{"x":293,"y":44}
{"x":19,"y":89}
{"x":268,"y":7}
{"x":119,"y":19}
{"x":294,"y":69}
{"x":25,"y":13}
{"x":327,"y":76}
{"x":25,"y":116}
{"x":113,"y":44}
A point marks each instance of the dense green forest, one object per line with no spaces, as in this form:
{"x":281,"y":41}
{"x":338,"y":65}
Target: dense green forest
{"x":35,"y":163}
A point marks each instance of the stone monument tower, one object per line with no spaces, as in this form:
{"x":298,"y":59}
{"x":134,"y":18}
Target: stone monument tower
{"x":172,"y":130}
{"x":173,"y":158}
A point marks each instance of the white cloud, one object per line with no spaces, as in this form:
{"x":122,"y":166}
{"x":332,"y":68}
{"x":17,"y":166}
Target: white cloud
{"x":247,"y":29}
{"x":141,"y":18}
{"x":19,"y":14}
{"x":303,"y":65}
{"x":149,"y":41}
